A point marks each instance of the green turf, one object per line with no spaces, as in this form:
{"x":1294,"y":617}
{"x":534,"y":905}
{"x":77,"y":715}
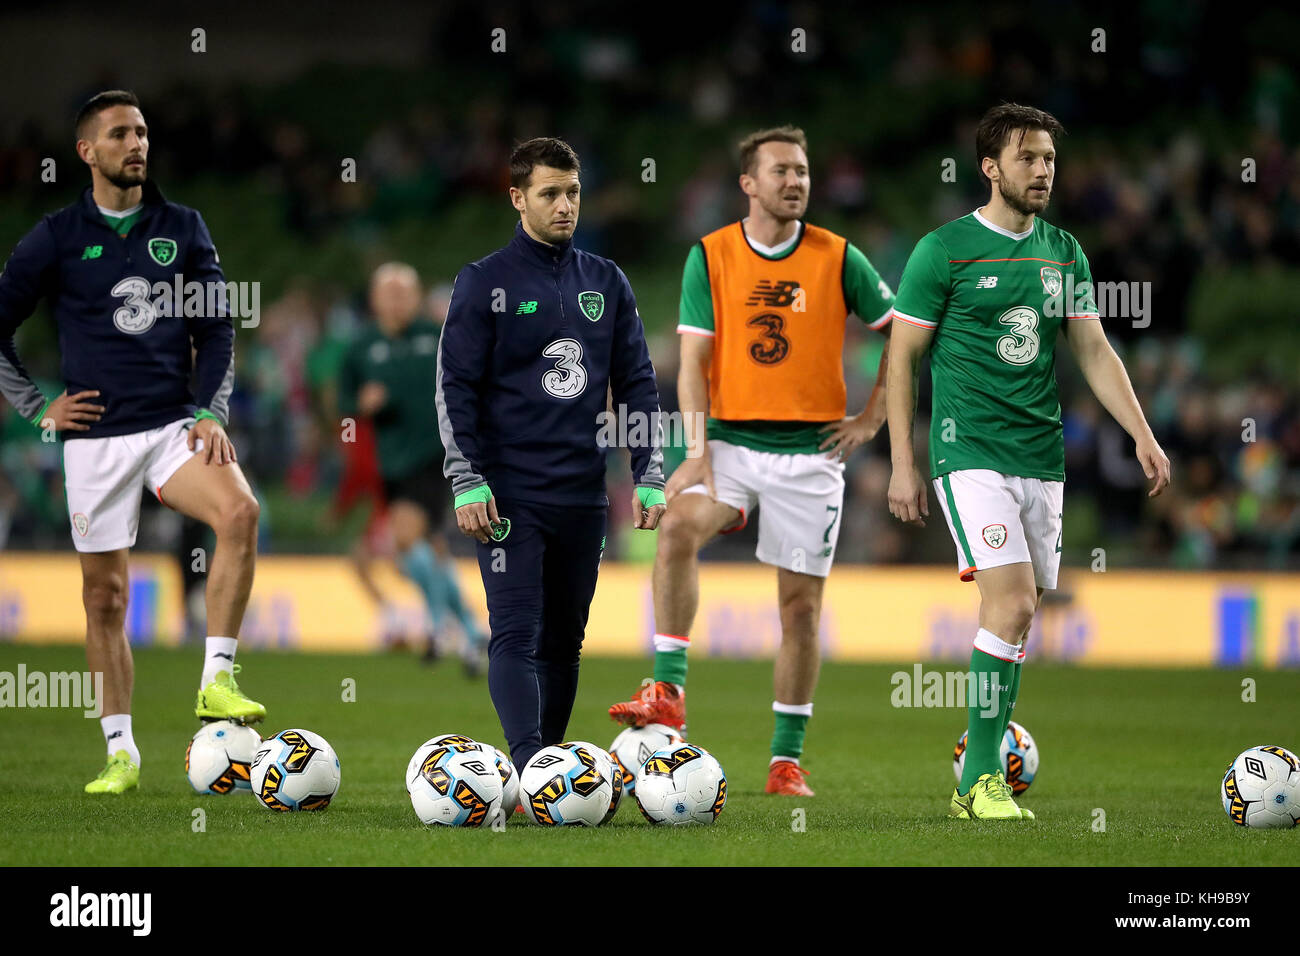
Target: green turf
{"x":1147,"y":747}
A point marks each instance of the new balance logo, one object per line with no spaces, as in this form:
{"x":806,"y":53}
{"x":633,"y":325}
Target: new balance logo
{"x":773,"y":294}
{"x":986,"y":282}
{"x":92,"y":252}
{"x":526,"y":308}
{"x":229,"y":657}
{"x":114,"y":735}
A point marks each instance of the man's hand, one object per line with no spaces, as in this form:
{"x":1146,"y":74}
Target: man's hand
{"x":692,"y":471}
{"x":476,"y":518}
{"x":848,"y":435}
{"x":907,"y":500}
{"x":371,"y":398}
{"x":1155,"y":464}
{"x":67,"y":412}
{"x":216,"y":443}
{"x":647,"y":518}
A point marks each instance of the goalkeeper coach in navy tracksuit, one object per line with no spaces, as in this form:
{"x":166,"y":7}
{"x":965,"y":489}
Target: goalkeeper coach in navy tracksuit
{"x":536,"y":335}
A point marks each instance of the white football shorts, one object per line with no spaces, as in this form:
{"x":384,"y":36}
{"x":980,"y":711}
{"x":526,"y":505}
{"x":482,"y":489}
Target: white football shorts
{"x":103,"y":478}
{"x":998,"y":519}
{"x":798,"y":497}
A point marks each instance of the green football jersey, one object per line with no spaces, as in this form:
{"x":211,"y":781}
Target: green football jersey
{"x":995,"y":300}
{"x":406,"y":427}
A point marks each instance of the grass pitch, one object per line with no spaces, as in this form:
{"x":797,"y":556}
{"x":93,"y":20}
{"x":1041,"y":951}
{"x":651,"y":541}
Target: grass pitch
{"x":1148,"y":748}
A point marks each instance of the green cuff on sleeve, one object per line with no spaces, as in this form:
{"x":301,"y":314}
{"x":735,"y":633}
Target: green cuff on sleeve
{"x":482,"y":493}
{"x":41,"y":414}
{"x":650,"y":496}
{"x":203,"y":413}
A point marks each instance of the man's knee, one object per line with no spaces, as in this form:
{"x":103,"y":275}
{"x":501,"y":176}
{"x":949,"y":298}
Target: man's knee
{"x":800,"y":611}
{"x":104,"y":596}
{"x":1011,"y":614}
{"x":683,"y":530}
{"x":237,"y":519}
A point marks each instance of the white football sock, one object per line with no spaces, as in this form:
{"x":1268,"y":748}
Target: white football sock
{"x":218,"y":655}
{"x":671,"y":642}
{"x":117,"y":735}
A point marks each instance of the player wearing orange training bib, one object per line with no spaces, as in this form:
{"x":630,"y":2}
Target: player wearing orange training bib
{"x":762,"y":318}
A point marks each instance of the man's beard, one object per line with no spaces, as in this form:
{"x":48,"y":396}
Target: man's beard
{"x":1020,"y":203}
{"x":127,"y":177}
{"x":552,"y":236}
{"x":778,"y":211}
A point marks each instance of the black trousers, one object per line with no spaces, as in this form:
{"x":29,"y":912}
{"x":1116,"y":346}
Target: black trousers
{"x":539,"y":581}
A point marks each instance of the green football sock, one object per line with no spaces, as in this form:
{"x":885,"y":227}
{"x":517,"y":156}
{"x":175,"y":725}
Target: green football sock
{"x":984,"y":730}
{"x":1012,"y":696}
{"x":787,"y":738}
{"x":670,"y":666}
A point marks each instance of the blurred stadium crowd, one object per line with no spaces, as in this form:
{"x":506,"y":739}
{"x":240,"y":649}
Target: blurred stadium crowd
{"x":1155,"y":196}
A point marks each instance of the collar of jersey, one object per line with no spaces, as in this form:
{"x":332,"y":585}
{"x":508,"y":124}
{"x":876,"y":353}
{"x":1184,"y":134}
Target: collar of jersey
{"x":785,"y":253}
{"x":150,"y":195}
{"x":544,"y":255}
{"x":1004,"y":232}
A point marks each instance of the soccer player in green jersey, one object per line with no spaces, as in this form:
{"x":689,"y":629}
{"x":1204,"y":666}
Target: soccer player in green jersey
{"x":386,"y":377}
{"x":986,"y":295}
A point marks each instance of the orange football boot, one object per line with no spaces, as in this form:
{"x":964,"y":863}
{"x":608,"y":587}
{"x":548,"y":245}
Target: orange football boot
{"x":785,"y":778}
{"x":657,"y":702}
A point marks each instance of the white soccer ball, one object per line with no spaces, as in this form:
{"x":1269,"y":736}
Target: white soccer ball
{"x":454,"y":784}
{"x":1019,"y":756}
{"x":681,"y":784}
{"x":219,"y":756}
{"x":610,"y":769}
{"x":451,"y":739}
{"x":295,"y":770}
{"x":509,"y":782}
{"x":633,"y":747}
{"x":568,"y":784}
{"x":1262,"y":788}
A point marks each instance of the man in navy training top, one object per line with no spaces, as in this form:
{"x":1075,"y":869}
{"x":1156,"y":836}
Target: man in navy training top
{"x":536,"y":335}
{"x":127,"y":416}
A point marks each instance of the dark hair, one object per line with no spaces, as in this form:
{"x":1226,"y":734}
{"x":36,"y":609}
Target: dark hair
{"x":540,"y":151}
{"x":100,"y":102}
{"x":998,"y":124}
{"x":778,"y":134}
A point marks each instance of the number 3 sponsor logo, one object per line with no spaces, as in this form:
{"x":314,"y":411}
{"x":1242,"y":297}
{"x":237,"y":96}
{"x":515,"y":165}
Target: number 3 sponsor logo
{"x":1020,"y":346}
{"x":137,"y":314}
{"x":568,"y":378}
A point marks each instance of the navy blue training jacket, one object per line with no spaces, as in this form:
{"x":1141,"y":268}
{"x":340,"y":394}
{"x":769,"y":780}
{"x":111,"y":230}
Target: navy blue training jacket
{"x":534,"y":337}
{"x":111,"y":336}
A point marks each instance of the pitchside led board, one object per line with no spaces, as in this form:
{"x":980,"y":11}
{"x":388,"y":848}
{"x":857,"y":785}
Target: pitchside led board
{"x":1115,"y":618}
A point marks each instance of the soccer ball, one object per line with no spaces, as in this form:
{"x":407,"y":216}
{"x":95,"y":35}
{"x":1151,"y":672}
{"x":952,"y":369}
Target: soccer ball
{"x":610,"y":769}
{"x":509,"y":782}
{"x":633,"y":747}
{"x":447,"y":739}
{"x":681,"y":784}
{"x":218,"y":757}
{"x":1262,"y":788}
{"x":295,"y":770}
{"x":454,"y":784}
{"x":1019,"y":756}
{"x":568,"y":784}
